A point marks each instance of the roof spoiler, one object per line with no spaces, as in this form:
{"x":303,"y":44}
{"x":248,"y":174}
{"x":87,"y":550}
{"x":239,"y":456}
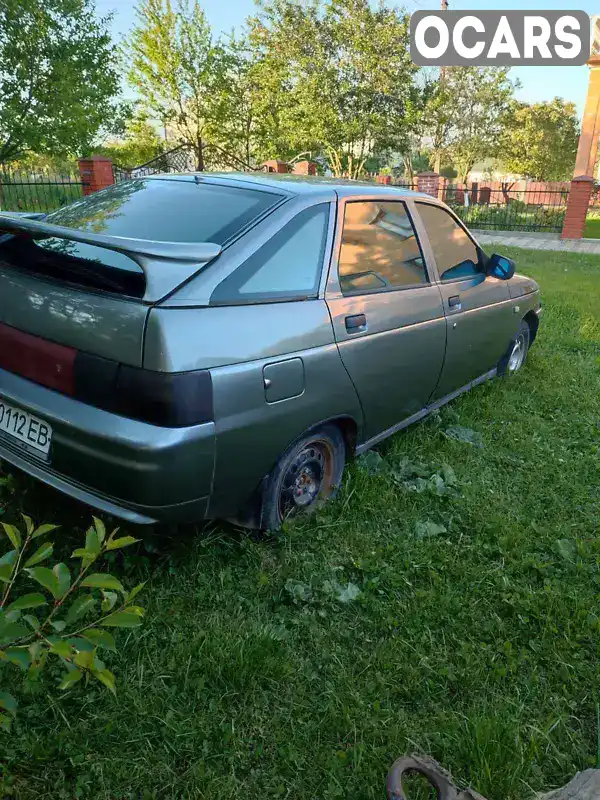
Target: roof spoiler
{"x":183,"y":258}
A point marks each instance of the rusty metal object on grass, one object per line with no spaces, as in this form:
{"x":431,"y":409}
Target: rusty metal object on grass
{"x":438,"y":777}
{"x":584,"y":786}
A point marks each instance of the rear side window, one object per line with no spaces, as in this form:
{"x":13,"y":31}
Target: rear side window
{"x":380,"y":251}
{"x":287,"y":267}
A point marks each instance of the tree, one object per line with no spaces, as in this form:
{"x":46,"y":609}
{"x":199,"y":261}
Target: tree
{"x":541,"y":140}
{"x":178,"y":70}
{"x":467,"y":114}
{"x":139,"y":143}
{"x":335,"y":78}
{"x":57,"y":78}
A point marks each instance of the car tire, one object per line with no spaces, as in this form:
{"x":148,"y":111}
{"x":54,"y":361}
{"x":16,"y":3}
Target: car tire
{"x":307,"y":475}
{"x":516,"y":354}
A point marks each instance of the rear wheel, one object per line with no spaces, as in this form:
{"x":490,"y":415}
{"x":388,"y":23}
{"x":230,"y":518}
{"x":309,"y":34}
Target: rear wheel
{"x":305,"y":477}
{"x":517,"y":353}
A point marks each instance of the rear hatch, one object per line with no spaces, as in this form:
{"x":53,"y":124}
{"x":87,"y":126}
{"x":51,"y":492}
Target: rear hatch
{"x":85,"y":277}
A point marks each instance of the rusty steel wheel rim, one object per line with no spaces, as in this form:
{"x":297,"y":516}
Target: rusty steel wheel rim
{"x":308,"y":480}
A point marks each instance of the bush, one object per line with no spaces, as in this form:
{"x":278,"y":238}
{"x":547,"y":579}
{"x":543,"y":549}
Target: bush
{"x":77,"y":611}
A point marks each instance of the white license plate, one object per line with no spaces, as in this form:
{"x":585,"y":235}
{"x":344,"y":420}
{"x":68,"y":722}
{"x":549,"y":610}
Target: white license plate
{"x":25,"y":428}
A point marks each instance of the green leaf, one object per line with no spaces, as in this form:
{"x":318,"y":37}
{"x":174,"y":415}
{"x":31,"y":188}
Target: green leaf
{"x":462,"y":434}
{"x":122,"y":619}
{"x":87,"y":556}
{"x":566,"y":549}
{"x":449,"y":475}
{"x":11,"y":631}
{"x":425,"y":530}
{"x":46,"y":578}
{"x":13,"y":534}
{"x":124,"y":541}
{"x":84,"y":659}
{"x":18,"y":656}
{"x":7,"y":565}
{"x":80,"y":607}
{"x":44,"y":551}
{"x":106,"y":677}
{"x":32,"y":620}
{"x":62,"y":649}
{"x":28,"y":524}
{"x":58,"y":625}
{"x":8,"y":703}
{"x":63,"y":577}
{"x":347,"y":594}
{"x":92,"y":542}
{"x":79,"y":643}
{"x":372,"y":463}
{"x":70,"y":679}
{"x":134,"y":592}
{"x":102,"y":580}
{"x":32,"y":600}
{"x":100,"y":638}
{"x":5,"y":722}
{"x":110,"y":598}
{"x":100,"y":529}
{"x":42,"y":530}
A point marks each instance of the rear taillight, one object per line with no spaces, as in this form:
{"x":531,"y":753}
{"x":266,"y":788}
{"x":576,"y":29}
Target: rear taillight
{"x":170,"y":400}
{"x":37,"y":359}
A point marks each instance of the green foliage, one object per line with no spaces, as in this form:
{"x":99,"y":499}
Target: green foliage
{"x":540,"y":140}
{"x":467,"y":113}
{"x":178,"y":70}
{"x":58,"y":79}
{"x":335,"y":77}
{"x":139,"y":143}
{"x":28,"y":640}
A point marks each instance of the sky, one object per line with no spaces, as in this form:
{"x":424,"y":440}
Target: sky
{"x":538,"y":83}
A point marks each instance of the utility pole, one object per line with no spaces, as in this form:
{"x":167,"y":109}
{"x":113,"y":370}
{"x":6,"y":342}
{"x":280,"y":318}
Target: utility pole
{"x":438,"y":156}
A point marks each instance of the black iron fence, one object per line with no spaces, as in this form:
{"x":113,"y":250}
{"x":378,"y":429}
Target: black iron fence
{"x":38,"y":190}
{"x":538,"y":209}
{"x":183,"y":159}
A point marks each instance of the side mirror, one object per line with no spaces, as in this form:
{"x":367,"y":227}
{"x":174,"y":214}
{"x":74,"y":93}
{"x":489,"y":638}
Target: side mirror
{"x":501,"y":267}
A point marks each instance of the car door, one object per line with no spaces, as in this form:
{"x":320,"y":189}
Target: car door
{"x":479,"y":313}
{"x":387,"y":313}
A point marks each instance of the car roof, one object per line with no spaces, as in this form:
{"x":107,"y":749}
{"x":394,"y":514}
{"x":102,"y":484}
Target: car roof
{"x":293,"y":184}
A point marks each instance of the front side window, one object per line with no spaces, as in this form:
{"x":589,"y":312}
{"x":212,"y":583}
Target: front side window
{"x":380,"y":251}
{"x":287,"y":267}
{"x":455,"y":254}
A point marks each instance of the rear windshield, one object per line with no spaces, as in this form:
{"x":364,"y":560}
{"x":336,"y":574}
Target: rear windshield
{"x":166,"y":210}
{"x":159,"y":210}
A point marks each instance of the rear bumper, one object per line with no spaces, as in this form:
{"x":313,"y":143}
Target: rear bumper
{"x":137,"y":471}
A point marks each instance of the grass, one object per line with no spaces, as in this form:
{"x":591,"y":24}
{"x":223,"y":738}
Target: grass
{"x":592,"y":228}
{"x":478,"y":646}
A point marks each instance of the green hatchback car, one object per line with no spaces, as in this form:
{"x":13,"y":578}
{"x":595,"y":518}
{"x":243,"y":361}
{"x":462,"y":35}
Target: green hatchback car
{"x":184,"y":347}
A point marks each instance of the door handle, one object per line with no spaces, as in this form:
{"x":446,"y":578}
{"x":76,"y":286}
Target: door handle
{"x":454,"y":303}
{"x":356,"y":323}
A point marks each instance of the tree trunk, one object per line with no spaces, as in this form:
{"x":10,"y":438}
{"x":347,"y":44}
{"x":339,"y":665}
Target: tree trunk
{"x":200,"y":165}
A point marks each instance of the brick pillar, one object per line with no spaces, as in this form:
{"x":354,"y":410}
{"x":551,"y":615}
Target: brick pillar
{"x":305,"y":168}
{"x":384,"y":180}
{"x":443,"y":189}
{"x":577,"y":207}
{"x":96,"y":173}
{"x":429,"y":183}
{"x":274,"y":165}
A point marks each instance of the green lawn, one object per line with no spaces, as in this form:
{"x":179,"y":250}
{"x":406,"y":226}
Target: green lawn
{"x":251,"y":679}
{"x":592,"y":228}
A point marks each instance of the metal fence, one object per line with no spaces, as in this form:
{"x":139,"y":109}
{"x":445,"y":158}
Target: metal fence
{"x":38,"y":190}
{"x":538,"y":209}
{"x":183,"y":159}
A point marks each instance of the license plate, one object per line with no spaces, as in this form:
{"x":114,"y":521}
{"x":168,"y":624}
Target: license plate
{"x":25,"y":428}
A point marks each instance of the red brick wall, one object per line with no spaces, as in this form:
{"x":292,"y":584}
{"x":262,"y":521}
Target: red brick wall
{"x":96,"y":173}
